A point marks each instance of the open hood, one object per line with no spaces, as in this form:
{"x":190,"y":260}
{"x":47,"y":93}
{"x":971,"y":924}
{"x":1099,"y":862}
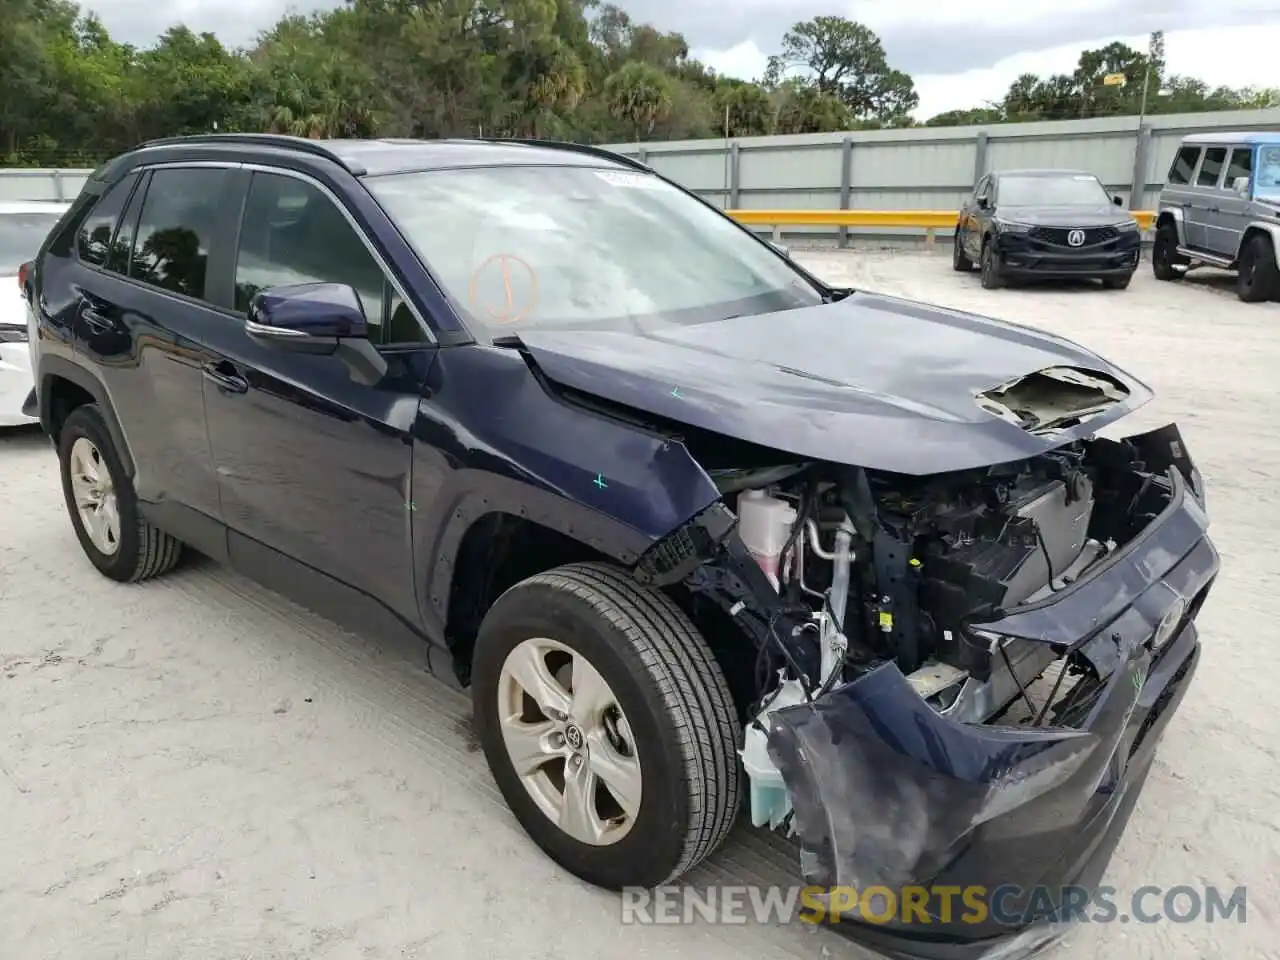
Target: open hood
{"x":871,"y":380}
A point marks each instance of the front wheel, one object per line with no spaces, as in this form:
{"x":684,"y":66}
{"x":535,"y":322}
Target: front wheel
{"x":607,"y":724}
{"x":992,"y":275}
{"x":959,"y":262}
{"x":1165,"y":256}
{"x":1257,"y":278}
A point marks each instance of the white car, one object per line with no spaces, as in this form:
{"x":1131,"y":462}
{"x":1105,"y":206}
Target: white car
{"x":23,"y":227}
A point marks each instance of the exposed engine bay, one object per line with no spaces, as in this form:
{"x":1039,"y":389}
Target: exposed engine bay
{"x":870,"y":567}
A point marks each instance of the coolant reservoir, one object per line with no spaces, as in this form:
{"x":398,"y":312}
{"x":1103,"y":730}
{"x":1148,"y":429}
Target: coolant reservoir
{"x":764,"y":523}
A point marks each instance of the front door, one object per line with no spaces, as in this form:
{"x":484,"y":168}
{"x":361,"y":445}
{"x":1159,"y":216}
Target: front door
{"x":1233,"y":207}
{"x":311,"y":463}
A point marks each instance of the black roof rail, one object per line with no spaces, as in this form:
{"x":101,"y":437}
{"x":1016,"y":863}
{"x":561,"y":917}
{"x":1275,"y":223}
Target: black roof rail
{"x":280,"y":140}
{"x":583,"y":148}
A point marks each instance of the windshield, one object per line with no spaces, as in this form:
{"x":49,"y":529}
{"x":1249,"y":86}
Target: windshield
{"x":518,"y":247}
{"x":20,"y":237}
{"x":1267,"y":182}
{"x":1065,"y":191}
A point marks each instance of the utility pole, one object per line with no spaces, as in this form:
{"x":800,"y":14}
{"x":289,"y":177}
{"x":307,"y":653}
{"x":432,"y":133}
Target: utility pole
{"x":726,"y":156}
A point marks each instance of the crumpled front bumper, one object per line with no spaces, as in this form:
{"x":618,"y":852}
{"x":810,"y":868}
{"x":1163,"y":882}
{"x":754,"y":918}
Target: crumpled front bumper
{"x":889,"y":793}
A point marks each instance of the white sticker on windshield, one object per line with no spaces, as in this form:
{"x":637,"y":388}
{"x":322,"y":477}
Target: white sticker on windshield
{"x":1086,"y":178}
{"x":619,"y":178}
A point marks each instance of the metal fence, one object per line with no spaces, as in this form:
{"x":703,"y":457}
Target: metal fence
{"x":40,"y":183}
{"x":930,"y":168}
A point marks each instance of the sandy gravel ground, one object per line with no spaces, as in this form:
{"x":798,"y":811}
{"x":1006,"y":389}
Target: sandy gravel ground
{"x":195,"y":768}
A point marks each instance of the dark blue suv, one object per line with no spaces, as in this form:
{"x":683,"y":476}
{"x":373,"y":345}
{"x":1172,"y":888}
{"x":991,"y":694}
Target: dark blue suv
{"x":703,"y":534}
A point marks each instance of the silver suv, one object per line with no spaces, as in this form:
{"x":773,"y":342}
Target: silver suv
{"x":1220,"y":207}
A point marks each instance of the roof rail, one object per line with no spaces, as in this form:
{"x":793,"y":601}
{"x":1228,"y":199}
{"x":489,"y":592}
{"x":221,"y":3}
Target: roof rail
{"x":584,"y":148}
{"x":283,"y":141}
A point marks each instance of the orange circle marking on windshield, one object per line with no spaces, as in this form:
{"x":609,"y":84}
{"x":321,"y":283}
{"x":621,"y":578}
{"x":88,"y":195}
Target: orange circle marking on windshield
{"x":504,"y":308}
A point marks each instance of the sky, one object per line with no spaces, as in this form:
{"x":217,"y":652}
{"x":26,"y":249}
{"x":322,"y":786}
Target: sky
{"x":961,"y":53}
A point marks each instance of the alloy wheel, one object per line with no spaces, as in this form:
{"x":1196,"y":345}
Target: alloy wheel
{"x":95,"y":496}
{"x":569,"y":741}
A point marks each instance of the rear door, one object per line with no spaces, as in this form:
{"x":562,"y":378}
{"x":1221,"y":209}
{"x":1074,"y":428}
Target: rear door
{"x":1205,"y":198}
{"x":143,"y":315}
{"x":1179,"y":188}
{"x":311,"y":463}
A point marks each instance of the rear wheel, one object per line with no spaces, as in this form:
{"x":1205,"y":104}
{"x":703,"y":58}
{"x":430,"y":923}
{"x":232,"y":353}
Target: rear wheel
{"x":102,"y":505}
{"x":607,"y":724}
{"x":992,"y":275}
{"x":1257,"y":278}
{"x":959,"y":262}
{"x":1164,"y":254}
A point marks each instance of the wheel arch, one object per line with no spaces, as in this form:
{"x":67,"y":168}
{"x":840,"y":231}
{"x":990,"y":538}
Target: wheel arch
{"x":1174,"y":217}
{"x":63,"y":386}
{"x":1260,"y":228}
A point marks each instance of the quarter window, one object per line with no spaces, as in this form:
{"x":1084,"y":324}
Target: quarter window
{"x":93,"y":240}
{"x":1211,"y":166}
{"x":293,"y":233}
{"x":1183,"y":165}
{"x":171,"y":249}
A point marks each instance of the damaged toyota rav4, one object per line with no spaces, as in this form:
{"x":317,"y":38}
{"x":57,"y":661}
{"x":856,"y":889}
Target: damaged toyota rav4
{"x":703,"y":535}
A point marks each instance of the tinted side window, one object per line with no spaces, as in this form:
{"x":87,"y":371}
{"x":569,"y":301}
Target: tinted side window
{"x":122,"y":245}
{"x":1183,"y":165}
{"x":171,"y":249}
{"x":93,"y":240}
{"x":1240,"y":166}
{"x":1211,"y":166}
{"x":293,"y":233}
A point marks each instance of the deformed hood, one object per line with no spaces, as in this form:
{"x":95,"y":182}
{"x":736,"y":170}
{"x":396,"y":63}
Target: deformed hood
{"x":871,"y":380}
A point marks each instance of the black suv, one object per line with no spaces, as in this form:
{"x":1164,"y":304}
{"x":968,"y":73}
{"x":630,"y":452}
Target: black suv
{"x":690,"y":523}
{"x":1046,"y":224}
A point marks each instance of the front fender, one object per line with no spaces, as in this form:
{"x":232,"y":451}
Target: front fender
{"x":1270,"y":229}
{"x":491,"y":439}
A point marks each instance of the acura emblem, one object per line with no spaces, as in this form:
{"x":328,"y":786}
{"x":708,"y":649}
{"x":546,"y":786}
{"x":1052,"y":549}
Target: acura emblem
{"x":1075,"y":238}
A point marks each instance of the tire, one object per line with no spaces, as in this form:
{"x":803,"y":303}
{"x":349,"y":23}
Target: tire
{"x":1257,"y":278}
{"x":140,"y":551}
{"x":1164,"y":254}
{"x":1117,"y":283}
{"x":959,"y":262}
{"x":992,"y":277}
{"x":672,"y":698}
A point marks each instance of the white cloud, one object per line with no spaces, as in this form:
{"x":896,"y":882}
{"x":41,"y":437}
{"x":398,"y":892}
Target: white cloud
{"x":1238,"y":56}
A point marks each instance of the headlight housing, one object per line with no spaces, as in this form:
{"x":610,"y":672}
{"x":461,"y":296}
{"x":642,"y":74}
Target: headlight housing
{"x":1127,"y":226}
{"x":1012,"y":226}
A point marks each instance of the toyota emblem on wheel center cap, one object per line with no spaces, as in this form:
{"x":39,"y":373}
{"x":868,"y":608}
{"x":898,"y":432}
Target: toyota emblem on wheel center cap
{"x":1075,"y":238}
{"x":573,"y":737}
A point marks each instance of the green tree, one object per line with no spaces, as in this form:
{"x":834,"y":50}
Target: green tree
{"x":639,"y":94}
{"x":846,"y":60}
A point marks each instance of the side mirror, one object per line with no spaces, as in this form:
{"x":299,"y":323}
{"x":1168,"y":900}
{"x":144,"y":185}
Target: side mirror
{"x":781,"y":248}
{"x":325,"y":319}
{"x":1241,"y":186}
{"x":1118,"y":200}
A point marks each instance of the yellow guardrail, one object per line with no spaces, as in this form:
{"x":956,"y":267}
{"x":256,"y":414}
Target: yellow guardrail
{"x":927,"y":220}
